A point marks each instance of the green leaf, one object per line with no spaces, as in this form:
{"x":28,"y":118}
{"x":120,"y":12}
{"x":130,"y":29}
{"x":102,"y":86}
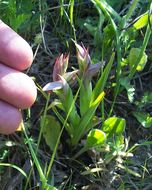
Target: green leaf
{"x":108,"y":37}
{"x":85,"y":96}
{"x":142,"y":21}
{"x":114,"y":126}
{"x":147,"y":98}
{"x":133,"y":56}
{"x":95,"y":138}
{"x":119,"y":141}
{"x":67,"y":100}
{"x":99,"y":87}
{"x":143,"y":118}
{"x":51,"y":131}
{"x":125,"y":82}
{"x":86,"y":119}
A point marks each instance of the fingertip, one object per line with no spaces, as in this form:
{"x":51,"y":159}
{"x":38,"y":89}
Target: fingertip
{"x":14,"y":50}
{"x":18,"y":89}
{"x":10,"y":118}
{"x":30,"y":96}
{"x":24,"y":54}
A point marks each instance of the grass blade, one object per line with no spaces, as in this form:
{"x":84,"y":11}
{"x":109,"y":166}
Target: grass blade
{"x":15,"y":167}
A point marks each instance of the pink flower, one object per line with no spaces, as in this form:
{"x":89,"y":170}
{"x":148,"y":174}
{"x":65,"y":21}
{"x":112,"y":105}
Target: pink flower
{"x":87,"y":69}
{"x":60,"y":67}
{"x":83,"y":57}
{"x":60,"y":76}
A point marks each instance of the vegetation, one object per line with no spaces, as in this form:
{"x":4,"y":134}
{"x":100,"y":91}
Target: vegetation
{"x":90,"y":127}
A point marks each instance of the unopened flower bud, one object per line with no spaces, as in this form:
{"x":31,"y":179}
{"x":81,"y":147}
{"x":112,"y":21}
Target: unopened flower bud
{"x":60,"y":67}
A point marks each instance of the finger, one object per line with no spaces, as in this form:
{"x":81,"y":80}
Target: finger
{"x":16,"y":88}
{"x":10,"y":118}
{"x":14,"y":50}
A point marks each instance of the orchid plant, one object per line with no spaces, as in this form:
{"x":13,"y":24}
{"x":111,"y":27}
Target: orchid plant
{"x":80,"y":109}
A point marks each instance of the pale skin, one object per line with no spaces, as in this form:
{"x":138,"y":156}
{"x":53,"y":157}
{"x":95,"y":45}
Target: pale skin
{"x":17,"y":90}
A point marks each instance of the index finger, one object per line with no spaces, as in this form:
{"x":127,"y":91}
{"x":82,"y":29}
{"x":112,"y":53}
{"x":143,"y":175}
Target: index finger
{"x":15,"y":52}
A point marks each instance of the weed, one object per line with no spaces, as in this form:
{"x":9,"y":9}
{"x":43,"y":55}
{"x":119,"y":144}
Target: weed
{"x":93,"y":120}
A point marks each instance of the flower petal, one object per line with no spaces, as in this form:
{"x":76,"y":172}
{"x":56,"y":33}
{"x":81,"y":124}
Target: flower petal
{"x":60,"y":66}
{"x":70,"y":76}
{"x":93,"y":69}
{"x":53,"y":86}
{"x":82,"y":50}
{"x":83,"y":57}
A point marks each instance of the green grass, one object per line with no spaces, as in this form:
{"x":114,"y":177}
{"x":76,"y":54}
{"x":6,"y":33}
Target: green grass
{"x":96,"y":140}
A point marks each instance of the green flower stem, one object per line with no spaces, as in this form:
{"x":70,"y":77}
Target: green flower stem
{"x":81,"y":151}
{"x":71,"y":10}
{"x":66,"y":98}
{"x":133,"y":71}
{"x":118,"y":45}
{"x":62,"y":7}
{"x":42,"y":177}
{"x":58,"y":140}
{"x":55,"y":150}
{"x":131,"y":9}
{"x":106,"y":7}
{"x":59,"y":116}
{"x":72,"y":25}
{"x":39,"y":139}
{"x":128,"y":15}
{"x":43,"y":121}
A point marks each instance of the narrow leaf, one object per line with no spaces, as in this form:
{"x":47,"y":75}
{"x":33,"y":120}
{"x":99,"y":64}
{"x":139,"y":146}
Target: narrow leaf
{"x":85,"y":97}
{"x":86,"y":119}
{"x":15,"y":167}
{"x":102,"y":80}
{"x":67,"y":100}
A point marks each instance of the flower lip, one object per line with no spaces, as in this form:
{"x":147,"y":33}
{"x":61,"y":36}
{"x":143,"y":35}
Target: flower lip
{"x":57,"y":85}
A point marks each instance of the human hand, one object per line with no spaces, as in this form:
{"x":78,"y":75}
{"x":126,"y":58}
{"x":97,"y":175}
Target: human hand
{"x":17,"y":90}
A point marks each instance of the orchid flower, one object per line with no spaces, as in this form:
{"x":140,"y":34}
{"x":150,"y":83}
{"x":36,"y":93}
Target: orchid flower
{"x":87,"y":69}
{"x":83,"y":57}
{"x":79,"y":116}
{"x":60,"y":66}
{"x":61,"y":87}
{"x":59,"y":73}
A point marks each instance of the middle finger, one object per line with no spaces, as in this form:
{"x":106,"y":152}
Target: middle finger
{"x":16,"y":88}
